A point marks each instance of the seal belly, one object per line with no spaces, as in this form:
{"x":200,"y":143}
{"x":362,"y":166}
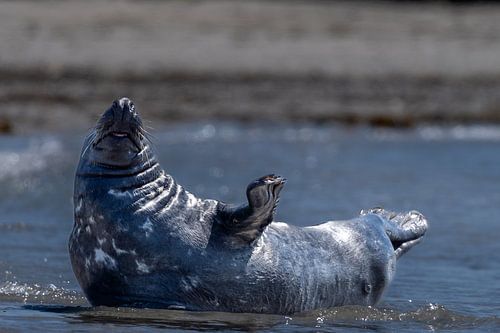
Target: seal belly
{"x":301,"y":269}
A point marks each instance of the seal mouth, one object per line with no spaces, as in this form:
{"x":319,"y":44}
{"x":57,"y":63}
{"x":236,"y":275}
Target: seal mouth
{"x":118,"y":138}
{"x":119,"y":134}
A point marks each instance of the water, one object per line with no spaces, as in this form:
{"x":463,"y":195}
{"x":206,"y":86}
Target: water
{"x":448,"y":282}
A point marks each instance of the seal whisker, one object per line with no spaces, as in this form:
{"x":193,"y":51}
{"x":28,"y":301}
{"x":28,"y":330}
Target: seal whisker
{"x":92,"y":132}
{"x":90,"y":137}
{"x":147,"y":124}
{"x":144,"y":152}
{"x":147,"y":158}
{"x":146,"y":134}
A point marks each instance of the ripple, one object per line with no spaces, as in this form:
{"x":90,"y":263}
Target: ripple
{"x":431,"y":315}
{"x":427,"y":317}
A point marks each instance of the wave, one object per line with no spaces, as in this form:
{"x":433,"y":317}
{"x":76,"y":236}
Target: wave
{"x":13,"y":291}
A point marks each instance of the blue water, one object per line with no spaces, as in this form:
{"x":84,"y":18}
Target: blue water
{"x":452,"y":175}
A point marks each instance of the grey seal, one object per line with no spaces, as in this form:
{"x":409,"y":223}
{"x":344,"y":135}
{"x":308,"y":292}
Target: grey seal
{"x":141,"y":240}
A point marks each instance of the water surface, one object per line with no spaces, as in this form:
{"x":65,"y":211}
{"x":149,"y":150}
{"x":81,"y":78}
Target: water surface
{"x":452,"y":175}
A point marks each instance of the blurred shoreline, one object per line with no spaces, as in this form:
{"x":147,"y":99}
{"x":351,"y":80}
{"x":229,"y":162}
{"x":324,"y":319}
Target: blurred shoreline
{"x":354,"y":63}
{"x":36,"y":101}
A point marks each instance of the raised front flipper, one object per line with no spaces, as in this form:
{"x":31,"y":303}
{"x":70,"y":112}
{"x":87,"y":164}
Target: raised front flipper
{"x":405,"y":230}
{"x":242,"y":225}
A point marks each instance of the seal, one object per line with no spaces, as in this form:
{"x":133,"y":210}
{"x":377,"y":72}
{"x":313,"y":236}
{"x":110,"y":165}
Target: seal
{"x":142,"y":240}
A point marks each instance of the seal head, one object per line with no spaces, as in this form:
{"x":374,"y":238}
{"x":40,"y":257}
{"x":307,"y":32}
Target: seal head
{"x":118,"y":137}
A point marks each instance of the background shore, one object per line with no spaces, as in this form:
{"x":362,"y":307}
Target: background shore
{"x":381,"y":64}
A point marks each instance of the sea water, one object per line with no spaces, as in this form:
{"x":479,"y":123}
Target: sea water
{"x":452,"y":175}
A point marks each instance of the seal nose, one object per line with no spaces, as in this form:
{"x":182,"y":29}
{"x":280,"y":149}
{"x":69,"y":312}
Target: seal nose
{"x":125,"y":102}
{"x":123,"y":110}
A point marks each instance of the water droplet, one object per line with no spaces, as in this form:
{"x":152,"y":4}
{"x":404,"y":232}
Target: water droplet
{"x":319,"y":321}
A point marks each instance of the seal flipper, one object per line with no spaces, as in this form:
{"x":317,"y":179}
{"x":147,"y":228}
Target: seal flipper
{"x":405,"y":230}
{"x":243,"y":224}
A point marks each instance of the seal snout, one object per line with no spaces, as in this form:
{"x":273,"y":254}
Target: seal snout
{"x":124,"y":112}
{"x":121,"y":122}
{"x":125,"y":102}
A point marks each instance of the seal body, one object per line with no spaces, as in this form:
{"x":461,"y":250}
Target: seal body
{"x":140,"y":239}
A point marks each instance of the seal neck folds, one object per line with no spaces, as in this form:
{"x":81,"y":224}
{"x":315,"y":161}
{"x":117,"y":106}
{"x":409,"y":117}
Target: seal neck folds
{"x":117,"y":163}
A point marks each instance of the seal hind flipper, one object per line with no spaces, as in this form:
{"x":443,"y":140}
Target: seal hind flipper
{"x":405,"y":230}
{"x":244,"y":224}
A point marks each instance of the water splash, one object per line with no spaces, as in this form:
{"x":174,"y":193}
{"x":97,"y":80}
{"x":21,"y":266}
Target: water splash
{"x":14,"y":291}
